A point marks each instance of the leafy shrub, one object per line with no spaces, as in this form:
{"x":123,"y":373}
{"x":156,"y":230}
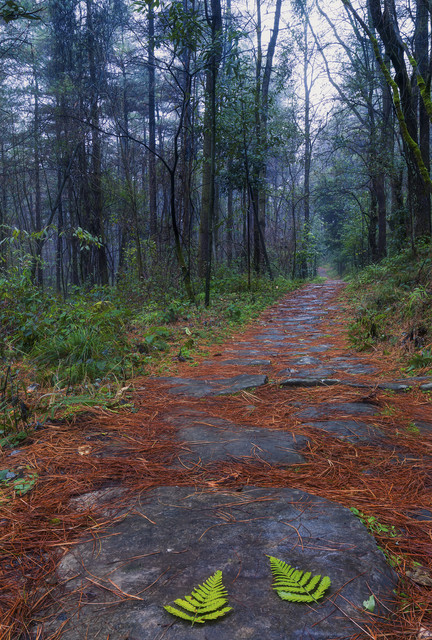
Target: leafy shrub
{"x":420,"y":360}
{"x":174,"y":312}
{"x":155,"y":339}
{"x":394,"y":303}
{"x":14,"y":412}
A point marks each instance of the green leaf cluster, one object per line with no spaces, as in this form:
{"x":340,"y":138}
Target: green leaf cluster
{"x":206,"y":602}
{"x":295,"y":585}
{"x":11,"y":10}
{"x":375,"y":526}
{"x":20,"y":485}
{"x":392,"y":302}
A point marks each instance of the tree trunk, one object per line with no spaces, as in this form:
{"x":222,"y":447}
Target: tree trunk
{"x":209,"y":147}
{"x":421,"y":48}
{"x":152,"y":127}
{"x":95,"y":176}
{"x":37,"y":265}
{"x":386,"y":25}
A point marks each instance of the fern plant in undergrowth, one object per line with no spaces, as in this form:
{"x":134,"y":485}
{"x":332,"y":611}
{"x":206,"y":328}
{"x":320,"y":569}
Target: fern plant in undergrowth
{"x":295,"y":585}
{"x":206,"y":602}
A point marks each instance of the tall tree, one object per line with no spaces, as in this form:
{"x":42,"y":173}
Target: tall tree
{"x":214,"y":21}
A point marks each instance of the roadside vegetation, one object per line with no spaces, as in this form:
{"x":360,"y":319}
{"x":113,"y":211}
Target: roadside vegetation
{"x":59,"y":357}
{"x":392,"y":304}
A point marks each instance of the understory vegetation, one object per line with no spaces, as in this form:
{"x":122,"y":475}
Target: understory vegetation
{"x":59,"y":356}
{"x":393,"y":306}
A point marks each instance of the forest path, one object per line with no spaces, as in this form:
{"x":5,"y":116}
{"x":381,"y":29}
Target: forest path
{"x":257,"y":451}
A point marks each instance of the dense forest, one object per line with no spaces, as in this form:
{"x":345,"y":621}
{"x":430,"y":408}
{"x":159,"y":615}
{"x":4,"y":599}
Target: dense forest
{"x":187,"y":137}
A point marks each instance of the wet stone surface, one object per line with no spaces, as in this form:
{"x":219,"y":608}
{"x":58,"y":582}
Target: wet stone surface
{"x":309,"y":382}
{"x":422,"y":426}
{"x":327,"y":409}
{"x":245,"y":353}
{"x":209,"y":439}
{"x":320,"y":372}
{"x":423,"y":515}
{"x":397,"y":387}
{"x":201,"y":388}
{"x":175,"y":538}
{"x":349,"y":430}
{"x":241,"y":362}
{"x":351,"y":366}
{"x":306,"y":360}
{"x":320,"y":348}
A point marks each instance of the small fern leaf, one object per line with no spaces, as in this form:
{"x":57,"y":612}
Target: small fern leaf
{"x":180,"y":614}
{"x":295,"y":585}
{"x":206,"y":602}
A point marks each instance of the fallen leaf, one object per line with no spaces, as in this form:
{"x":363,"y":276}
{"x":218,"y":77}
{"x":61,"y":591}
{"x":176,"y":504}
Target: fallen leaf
{"x":369,"y":604}
{"x":84,"y":450}
{"x":424,"y":634}
{"x":121,"y":392}
{"x":422,"y":576}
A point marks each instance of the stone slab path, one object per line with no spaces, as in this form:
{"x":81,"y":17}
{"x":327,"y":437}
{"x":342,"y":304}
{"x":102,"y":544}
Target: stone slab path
{"x":170,"y":539}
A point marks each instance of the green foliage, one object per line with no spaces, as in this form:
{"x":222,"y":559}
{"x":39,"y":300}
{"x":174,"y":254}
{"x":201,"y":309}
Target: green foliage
{"x":174,"y":312}
{"x":367,"y":329}
{"x":155,"y":339}
{"x":112,"y":332}
{"x":295,"y":585}
{"x":420,"y":360}
{"x":369,"y":604}
{"x":86,"y":239}
{"x":19,"y":484}
{"x":11,"y":10}
{"x":81,"y":342}
{"x":81,"y":339}
{"x":393,"y":305}
{"x":234,"y":312}
{"x":206,"y":602}
{"x":14,"y":413}
{"x":374,"y":526}
{"x":13,"y":439}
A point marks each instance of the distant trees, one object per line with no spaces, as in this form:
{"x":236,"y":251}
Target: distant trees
{"x":182,"y":139}
{"x":411,"y":95}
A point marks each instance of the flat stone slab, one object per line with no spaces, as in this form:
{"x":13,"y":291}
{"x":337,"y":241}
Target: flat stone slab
{"x":328,"y":408}
{"x":352,"y":366}
{"x":245,"y":353}
{"x":201,"y":388}
{"x":423,"y":427}
{"x":320,"y":372}
{"x":306,"y":360}
{"x":303,"y":318}
{"x":309,"y":382}
{"x":241,"y":362}
{"x":397,"y":387}
{"x":423,"y":515}
{"x":175,"y":538}
{"x":320,"y":348}
{"x":349,"y":430}
{"x":271,"y":336}
{"x":209,"y":439}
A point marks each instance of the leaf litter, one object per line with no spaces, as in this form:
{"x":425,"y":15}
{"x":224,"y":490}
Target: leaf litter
{"x":389,"y":481}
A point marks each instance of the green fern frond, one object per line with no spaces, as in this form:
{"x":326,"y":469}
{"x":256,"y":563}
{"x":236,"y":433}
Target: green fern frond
{"x":297,"y":586}
{"x":206,"y":602}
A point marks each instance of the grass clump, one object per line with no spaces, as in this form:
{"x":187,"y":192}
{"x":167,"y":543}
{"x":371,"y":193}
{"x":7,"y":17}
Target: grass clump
{"x":393,"y":306}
